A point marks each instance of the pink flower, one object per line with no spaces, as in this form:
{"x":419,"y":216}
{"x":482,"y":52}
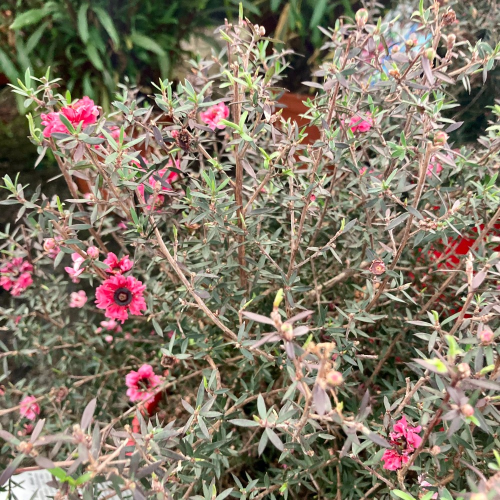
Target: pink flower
{"x":393,"y":460}
{"x":82,"y":111}
{"x":108,"y":338}
{"x":359,"y":124}
{"x":52,"y":124}
{"x":15,"y":276}
{"x":51,"y":247}
{"x":122,"y":225}
{"x":111,"y":326}
{"x":119,"y":295}
{"x":141,"y":383}
{"x":49,"y":244}
{"x":116,"y":266}
{"x":93,"y":252}
{"x":406,"y":439}
{"x":29,"y":408}
{"x":410,"y":434}
{"x":162,"y":180}
{"x":434,"y":167}
{"x":78,"y":299}
{"x":214,"y":114}
{"x":76,"y":270}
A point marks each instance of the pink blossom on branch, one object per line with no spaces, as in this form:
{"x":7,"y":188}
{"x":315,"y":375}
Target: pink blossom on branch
{"x":77,"y":269}
{"x":52,"y":124}
{"x":393,"y":460}
{"x":93,"y":252}
{"x":15,"y":276}
{"x":214,"y":114}
{"x":78,"y":299}
{"x":111,"y":325}
{"x":118,"y":266}
{"x":51,"y":247}
{"x":82,"y":111}
{"x":141,"y":383}
{"x":434,"y":167}
{"x":359,"y":124}
{"x":406,"y":440}
{"x":29,"y":408}
{"x":120,"y":295}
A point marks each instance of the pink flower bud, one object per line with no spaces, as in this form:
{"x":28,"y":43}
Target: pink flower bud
{"x":49,"y":244}
{"x":93,"y":252}
{"x":361,"y":17}
{"x":334,"y":378}
{"x":108,"y":338}
{"x":467,"y":410}
{"x":440,"y":138}
{"x":486,"y":335}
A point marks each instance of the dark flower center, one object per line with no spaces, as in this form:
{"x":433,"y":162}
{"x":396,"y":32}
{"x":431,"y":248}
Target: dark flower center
{"x":143,"y":384}
{"x":123,"y":296}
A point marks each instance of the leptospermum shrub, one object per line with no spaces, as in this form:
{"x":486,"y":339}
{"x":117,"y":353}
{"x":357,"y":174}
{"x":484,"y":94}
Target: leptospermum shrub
{"x":221,"y":307}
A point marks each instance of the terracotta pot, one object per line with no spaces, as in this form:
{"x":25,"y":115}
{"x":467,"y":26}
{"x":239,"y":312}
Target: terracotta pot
{"x":294,"y":107}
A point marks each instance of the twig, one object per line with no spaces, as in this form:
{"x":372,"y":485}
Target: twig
{"x":201,"y":304}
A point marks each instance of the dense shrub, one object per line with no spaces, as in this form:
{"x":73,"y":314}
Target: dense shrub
{"x":223,"y":308}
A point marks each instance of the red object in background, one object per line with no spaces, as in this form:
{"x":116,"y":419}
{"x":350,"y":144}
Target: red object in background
{"x":458,"y":248}
{"x":149,"y":408}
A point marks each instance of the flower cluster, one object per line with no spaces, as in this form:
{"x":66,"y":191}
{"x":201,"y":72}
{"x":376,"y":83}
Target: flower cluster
{"x":405,"y":440}
{"x":82,"y":111}
{"x":214,"y":114}
{"x":15,"y":276}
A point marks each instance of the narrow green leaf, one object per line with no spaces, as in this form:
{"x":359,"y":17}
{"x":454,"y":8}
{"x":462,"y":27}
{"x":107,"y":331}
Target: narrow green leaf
{"x":83,"y":25}
{"x":107,"y":23}
{"x":147,"y":43}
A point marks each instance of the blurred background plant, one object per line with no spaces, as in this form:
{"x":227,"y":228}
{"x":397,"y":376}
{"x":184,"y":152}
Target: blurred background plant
{"x":93,"y":45}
